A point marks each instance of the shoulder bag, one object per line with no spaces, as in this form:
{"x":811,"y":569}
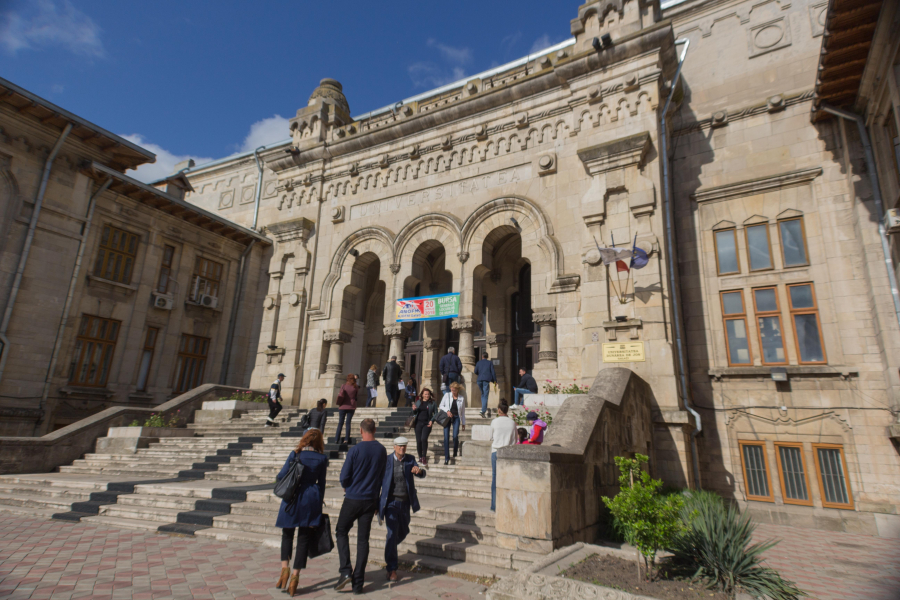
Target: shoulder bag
{"x":304,"y":421}
{"x":324,"y":542}
{"x":443,"y":419}
{"x":287,"y":487}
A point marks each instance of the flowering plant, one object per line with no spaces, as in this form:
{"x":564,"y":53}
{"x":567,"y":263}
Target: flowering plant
{"x":543,"y":414}
{"x":158,"y":420}
{"x":573,"y":388}
{"x":245,"y":396}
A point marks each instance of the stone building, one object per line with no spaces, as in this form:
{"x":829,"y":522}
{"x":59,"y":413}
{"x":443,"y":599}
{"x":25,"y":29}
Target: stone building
{"x":112,"y":292}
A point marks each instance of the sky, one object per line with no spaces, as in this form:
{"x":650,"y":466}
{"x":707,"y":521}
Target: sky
{"x":206,"y":79}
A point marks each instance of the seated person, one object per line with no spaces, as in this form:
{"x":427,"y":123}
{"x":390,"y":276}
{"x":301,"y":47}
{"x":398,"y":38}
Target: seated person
{"x":536,"y":435}
{"x":523,"y":435}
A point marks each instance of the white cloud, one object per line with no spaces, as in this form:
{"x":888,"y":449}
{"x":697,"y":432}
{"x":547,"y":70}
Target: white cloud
{"x":451,"y":54}
{"x":165,"y":160}
{"x":430,"y":74}
{"x":544,"y":42}
{"x":511,"y":40}
{"x":268,"y":131}
{"x":42,"y":23}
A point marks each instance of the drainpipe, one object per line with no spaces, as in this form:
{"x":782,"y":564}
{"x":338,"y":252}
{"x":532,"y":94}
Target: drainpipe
{"x":82,"y":244}
{"x":259,"y":177}
{"x":236,"y":304}
{"x":876,"y":193}
{"x":17,"y":281}
{"x":669,"y":216}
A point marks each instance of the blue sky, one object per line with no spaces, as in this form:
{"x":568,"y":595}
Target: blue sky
{"x":206,"y":79}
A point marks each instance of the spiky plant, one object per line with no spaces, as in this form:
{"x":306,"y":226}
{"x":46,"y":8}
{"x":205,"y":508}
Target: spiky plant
{"x":717,"y":543}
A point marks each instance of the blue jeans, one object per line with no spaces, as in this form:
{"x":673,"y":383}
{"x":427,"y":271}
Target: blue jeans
{"x":452,"y":378}
{"x":343,"y":414}
{"x":494,"y":480}
{"x":396,"y":519}
{"x":485,"y":392}
{"x":517,"y":392}
{"x":455,"y":426}
{"x":370,"y":401}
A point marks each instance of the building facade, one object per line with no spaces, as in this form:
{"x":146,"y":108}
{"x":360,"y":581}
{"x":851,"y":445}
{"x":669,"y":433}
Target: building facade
{"x":114,"y":292}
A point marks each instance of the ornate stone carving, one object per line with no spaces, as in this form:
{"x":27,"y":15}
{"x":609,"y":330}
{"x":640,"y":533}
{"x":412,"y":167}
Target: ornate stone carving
{"x":414,"y":152}
{"x":546,"y":163}
{"x":546,"y":355}
{"x":496,"y":339}
{"x":616,"y":154}
{"x":548,"y":316}
{"x":466,"y":324}
{"x":384,"y":161}
{"x":294,"y":229}
{"x":332,"y":90}
{"x":446,"y":142}
{"x":481,"y":132}
{"x":295,"y":298}
{"x":395,"y":268}
{"x":337,"y":214}
{"x":775,"y":103}
{"x":522,"y":120}
{"x":433,"y":344}
{"x":336,"y":336}
{"x":354,"y":169}
{"x":719,"y":118}
{"x":769,"y":36}
{"x":463,"y":256}
{"x":396,"y":330}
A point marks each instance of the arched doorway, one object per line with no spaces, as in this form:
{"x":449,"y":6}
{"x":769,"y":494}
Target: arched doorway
{"x":524,"y":333}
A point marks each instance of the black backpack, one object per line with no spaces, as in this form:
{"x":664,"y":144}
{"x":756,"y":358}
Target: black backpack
{"x":289,"y":485}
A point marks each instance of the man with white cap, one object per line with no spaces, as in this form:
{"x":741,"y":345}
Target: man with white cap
{"x":398,"y":495}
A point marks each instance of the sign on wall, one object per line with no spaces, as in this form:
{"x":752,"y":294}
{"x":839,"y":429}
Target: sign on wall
{"x":428,"y":308}
{"x":623,"y":352}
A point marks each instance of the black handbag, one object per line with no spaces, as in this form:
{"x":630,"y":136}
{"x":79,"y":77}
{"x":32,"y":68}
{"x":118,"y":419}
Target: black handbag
{"x":287,"y":487}
{"x":323,"y":542}
{"x":304,"y":421}
{"x":443,"y":419}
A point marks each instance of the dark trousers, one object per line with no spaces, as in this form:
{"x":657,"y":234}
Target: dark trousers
{"x":396,"y":519}
{"x":305,"y":537}
{"x":393,"y":392}
{"x":343,"y":414}
{"x":274,"y":409}
{"x":360,"y":512}
{"x":454,"y":425}
{"x":422,"y":433}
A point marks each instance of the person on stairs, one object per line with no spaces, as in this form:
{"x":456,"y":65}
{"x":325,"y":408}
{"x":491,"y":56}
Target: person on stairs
{"x":274,"y":401}
{"x":450,"y":366}
{"x":361,"y":478}
{"x":391,"y":376}
{"x":503,"y":433}
{"x":318,"y":416}
{"x":454,"y":404}
{"x":371,"y":386}
{"x":346,"y":402}
{"x":304,"y":513}
{"x":398,"y":495}
{"x":485,"y":376}
{"x":424,"y":410}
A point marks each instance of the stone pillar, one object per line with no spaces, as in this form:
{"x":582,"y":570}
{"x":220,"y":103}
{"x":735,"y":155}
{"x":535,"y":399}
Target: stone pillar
{"x":547,"y":321}
{"x":431,"y":376}
{"x":496,"y":343}
{"x":467,"y":327}
{"x":336,"y":340}
{"x":397,"y":332}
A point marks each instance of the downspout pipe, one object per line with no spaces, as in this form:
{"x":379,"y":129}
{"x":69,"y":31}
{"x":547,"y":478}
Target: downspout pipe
{"x":236,"y":305}
{"x":73,"y":282}
{"x":677,"y":320}
{"x":29,"y":238}
{"x":876,"y":194}
{"x":259,"y":178}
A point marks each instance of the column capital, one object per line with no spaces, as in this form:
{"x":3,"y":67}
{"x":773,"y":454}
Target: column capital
{"x":544,"y":316}
{"x":496,"y":339}
{"x":433,"y":344}
{"x":466,"y":324}
{"x":395,"y":330}
{"x":336,"y":336}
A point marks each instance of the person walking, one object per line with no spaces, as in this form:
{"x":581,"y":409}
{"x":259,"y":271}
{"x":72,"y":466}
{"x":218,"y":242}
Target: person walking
{"x":346,"y":402}
{"x":361,"y":478}
{"x":303,"y":512}
{"x":412,"y":389}
{"x":450,"y":366}
{"x":424,"y":411}
{"x":485,"y":376}
{"x":391,"y":376}
{"x":371,"y":385}
{"x":503,"y":433}
{"x":527,"y":385}
{"x":318,"y":416}
{"x":398,"y":495}
{"x":454,"y":404}
{"x":274,"y":401}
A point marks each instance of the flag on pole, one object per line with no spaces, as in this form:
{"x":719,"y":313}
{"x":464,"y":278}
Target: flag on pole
{"x":611,"y":255}
{"x":639,"y":258}
{"x":621,"y":266}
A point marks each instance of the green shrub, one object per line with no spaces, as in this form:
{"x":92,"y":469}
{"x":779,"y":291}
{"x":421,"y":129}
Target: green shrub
{"x":717,"y":545}
{"x":647,"y":520}
{"x":245,"y":396}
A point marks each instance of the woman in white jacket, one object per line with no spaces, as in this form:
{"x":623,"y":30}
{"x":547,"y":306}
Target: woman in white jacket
{"x":454,"y":404}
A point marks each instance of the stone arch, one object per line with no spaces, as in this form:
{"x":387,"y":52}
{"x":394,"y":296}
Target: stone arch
{"x":428,"y":229}
{"x":376,"y":240}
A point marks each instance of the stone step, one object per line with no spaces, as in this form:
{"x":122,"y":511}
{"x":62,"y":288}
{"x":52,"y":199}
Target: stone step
{"x":159,"y":515}
{"x":56,"y":504}
{"x":143,"y":473}
{"x":168,"y":501}
{"x":122,"y":522}
{"x":24,"y":489}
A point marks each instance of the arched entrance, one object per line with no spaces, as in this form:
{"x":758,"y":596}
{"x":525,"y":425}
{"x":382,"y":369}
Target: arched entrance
{"x":525,"y":339}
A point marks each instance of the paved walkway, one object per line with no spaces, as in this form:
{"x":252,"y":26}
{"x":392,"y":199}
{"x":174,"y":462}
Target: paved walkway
{"x":59,"y":560}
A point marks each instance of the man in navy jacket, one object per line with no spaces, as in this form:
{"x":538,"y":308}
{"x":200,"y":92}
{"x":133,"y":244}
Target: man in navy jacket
{"x":485,"y":376}
{"x":361,"y":478}
{"x":398,"y":495}
{"x":450,"y":366}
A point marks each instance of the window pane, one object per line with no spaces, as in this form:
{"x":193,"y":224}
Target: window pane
{"x":792,"y":246}
{"x":765,"y":300}
{"x":104,"y":371}
{"x":801,"y":296}
{"x":832,"y":470}
{"x":758,"y":247}
{"x":726,"y":251}
{"x":755,"y":467}
{"x":807,"y":327}
{"x":738,"y":348}
{"x":113,"y":330}
{"x":151,"y":338}
{"x":144,"y":370}
{"x":733,"y":303}
{"x":792,"y":471}
{"x":770,"y":339}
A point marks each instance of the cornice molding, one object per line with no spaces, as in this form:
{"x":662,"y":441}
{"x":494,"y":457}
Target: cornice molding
{"x":753,"y":187}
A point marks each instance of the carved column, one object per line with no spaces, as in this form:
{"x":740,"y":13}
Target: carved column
{"x":496,"y":343}
{"x":466,"y":327}
{"x":398,"y":332}
{"x":431,"y":376}
{"x":547,"y":321}
{"x":336,"y":340}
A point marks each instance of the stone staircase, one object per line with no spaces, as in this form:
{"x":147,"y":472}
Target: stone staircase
{"x":218,"y":484}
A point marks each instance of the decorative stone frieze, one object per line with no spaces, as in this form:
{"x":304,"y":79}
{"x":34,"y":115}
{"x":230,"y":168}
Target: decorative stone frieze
{"x":337,"y":336}
{"x":290,"y":230}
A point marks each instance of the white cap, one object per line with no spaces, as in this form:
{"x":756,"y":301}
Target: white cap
{"x":401,"y":441}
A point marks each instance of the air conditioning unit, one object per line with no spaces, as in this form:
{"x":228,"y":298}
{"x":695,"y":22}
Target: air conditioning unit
{"x":208,"y":301}
{"x":163,"y":301}
{"x":892,"y":220}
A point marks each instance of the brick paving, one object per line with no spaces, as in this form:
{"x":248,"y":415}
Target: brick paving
{"x":59,"y":560}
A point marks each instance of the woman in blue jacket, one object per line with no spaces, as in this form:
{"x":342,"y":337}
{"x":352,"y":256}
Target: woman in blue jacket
{"x":305,"y":513}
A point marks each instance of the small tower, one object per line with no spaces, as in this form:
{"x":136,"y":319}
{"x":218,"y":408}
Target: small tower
{"x":327,"y":108}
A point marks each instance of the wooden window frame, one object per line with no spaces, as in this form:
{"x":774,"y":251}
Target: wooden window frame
{"x":107,"y":252}
{"x":735,"y":317}
{"x":771,"y":496}
{"x":83,"y":341}
{"x":768,"y":245}
{"x":182,"y":355}
{"x":152,"y":349}
{"x":825,"y":503}
{"x":195,"y":296}
{"x":799,"y":446}
{"x":802,"y":234}
{"x":806,"y":311}
{"x":737,"y":254}
{"x":165,"y":268}
{"x":769,"y":313}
